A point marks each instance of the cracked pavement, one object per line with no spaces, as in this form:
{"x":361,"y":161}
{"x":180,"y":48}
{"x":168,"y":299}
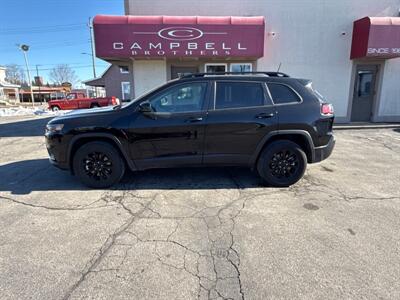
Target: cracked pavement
{"x":201,"y":233}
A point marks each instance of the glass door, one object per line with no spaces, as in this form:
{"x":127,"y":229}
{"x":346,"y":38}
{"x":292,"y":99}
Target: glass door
{"x":364,"y":93}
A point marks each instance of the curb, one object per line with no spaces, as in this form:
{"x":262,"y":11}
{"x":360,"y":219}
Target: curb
{"x":367,"y":126}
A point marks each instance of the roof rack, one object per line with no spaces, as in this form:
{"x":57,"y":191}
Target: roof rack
{"x":269,"y":74}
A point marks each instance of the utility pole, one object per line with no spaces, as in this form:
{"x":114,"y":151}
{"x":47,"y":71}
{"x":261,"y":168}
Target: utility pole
{"x":24,"y":49}
{"x":90,"y":25}
{"x":92,"y":46}
{"x":38,"y":83}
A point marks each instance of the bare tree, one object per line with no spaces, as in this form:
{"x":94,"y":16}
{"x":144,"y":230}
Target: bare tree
{"x":63,"y":73}
{"x":15,"y":74}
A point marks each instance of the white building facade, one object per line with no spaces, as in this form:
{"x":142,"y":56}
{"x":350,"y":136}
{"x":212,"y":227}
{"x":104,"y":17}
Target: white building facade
{"x":356,"y":66}
{"x":9,"y":92}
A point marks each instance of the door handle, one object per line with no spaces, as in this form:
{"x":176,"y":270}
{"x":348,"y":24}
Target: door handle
{"x":264,"y":115}
{"x":194,"y":120}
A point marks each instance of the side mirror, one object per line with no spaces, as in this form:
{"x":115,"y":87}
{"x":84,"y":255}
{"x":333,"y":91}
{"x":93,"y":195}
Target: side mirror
{"x":145,"y":107}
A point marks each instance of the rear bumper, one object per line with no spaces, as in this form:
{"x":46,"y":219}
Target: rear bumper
{"x":323,"y":152}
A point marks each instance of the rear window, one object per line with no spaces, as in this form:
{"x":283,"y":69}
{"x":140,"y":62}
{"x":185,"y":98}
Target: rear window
{"x":282,"y":93}
{"x":317,"y":94}
{"x":239,"y":94}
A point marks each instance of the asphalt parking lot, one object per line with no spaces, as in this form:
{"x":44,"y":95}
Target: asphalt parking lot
{"x":201,"y":233}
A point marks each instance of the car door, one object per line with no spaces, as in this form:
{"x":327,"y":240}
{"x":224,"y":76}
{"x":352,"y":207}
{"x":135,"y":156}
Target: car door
{"x":70,"y":102}
{"x":82,"y":101}
{"x":240,"y":116}
{"x":172,"y":134}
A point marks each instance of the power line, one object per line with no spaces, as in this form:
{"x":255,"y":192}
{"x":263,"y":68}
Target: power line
{"x":47,"y":47}
{"x":50,"y":43}
{"x":40,"y":27}
{"x":54,"y":64}
{"x":44,"y":29}
{"x":78,"y":67}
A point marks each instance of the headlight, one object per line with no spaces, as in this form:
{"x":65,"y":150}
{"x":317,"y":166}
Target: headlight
{"x":54,"y":128}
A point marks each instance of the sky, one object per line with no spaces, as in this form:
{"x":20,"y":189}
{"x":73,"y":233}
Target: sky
{"x":55,"y":30}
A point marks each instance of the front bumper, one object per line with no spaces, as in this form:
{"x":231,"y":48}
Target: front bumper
{"x":323,"y":152}
{"x":56,"y":150}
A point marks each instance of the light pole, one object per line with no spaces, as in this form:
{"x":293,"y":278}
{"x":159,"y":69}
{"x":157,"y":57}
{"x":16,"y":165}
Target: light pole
{"x":38,"y":83}
{"x":94,"y":67}
{"x":24,"y":49}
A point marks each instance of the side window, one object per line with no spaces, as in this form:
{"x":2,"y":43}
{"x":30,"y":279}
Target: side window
{"x":239,"y":94}
{"x":282,"y":93}
{"x":124,"y":69}
{"x":187,"y":97}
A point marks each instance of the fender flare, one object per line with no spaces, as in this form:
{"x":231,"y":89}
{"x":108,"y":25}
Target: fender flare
{"x":271,"y":134}
{"x":109,"y":136}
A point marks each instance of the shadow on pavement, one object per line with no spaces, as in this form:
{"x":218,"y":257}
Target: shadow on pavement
{"x":33,"y":127}
{"x":24,"y":177}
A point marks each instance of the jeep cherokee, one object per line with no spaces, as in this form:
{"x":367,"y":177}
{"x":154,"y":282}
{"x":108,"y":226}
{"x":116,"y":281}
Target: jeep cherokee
{"x":267,"y":121}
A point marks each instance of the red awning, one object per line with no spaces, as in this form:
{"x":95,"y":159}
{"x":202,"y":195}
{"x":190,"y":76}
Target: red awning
{"x":376,"y":37}
{"x":178,"y":36}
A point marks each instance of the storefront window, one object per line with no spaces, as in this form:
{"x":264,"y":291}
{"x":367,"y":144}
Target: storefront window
{"x":215,"y":68}
{"x":241,"y":67}
{"x":126,"y":90}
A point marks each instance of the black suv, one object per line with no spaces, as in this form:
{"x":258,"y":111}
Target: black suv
{"x":267,"y":121}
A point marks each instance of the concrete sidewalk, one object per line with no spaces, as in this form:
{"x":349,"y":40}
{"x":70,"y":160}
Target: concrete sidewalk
{"x":365,"y":125}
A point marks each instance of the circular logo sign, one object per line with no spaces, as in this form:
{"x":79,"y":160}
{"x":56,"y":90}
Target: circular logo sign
{"x":180,"y":33}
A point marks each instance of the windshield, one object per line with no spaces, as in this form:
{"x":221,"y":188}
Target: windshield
{"x":320,"y":97}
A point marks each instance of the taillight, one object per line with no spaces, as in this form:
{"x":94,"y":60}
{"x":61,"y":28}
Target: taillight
{"x":327,"y":109}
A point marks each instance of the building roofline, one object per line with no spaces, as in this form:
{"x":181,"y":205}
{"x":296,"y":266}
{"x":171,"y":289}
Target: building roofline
{"x":100,"y":77}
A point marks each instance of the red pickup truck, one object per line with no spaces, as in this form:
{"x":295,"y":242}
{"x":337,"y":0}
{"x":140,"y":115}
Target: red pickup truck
{"x":79,"y":101}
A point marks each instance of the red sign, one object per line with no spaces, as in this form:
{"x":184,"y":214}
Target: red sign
{"x":376,"y":37}
{"x":157,"y":36}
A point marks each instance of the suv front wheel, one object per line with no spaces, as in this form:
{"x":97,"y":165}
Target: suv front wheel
{"x":98,"y":165}
{"x":282,"y":163}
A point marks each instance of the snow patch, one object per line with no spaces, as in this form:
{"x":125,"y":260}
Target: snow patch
{"x":29,"y":111}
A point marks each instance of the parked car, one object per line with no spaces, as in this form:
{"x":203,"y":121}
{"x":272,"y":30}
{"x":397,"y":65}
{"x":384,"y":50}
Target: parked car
{"x":80,"y":101}
{"x":267,"y":121}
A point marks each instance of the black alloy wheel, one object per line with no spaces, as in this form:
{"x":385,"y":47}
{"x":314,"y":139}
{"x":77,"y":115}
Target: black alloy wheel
{"x":98,"y":164}
{"x":282,"y":163}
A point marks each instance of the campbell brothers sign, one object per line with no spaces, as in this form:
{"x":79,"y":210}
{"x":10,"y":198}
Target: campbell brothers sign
{"x":152,"y":36}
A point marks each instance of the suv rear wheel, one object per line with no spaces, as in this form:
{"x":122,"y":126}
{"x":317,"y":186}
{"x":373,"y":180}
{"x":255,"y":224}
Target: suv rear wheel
{"x":98,"y":165}
{"x":282,"y":163}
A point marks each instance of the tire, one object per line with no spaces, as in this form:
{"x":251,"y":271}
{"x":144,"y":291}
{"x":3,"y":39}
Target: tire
{"x":282,"y":163}
{"x":55,"y":108}
{"x":98,"y":165}
{"x":94,"y":105}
